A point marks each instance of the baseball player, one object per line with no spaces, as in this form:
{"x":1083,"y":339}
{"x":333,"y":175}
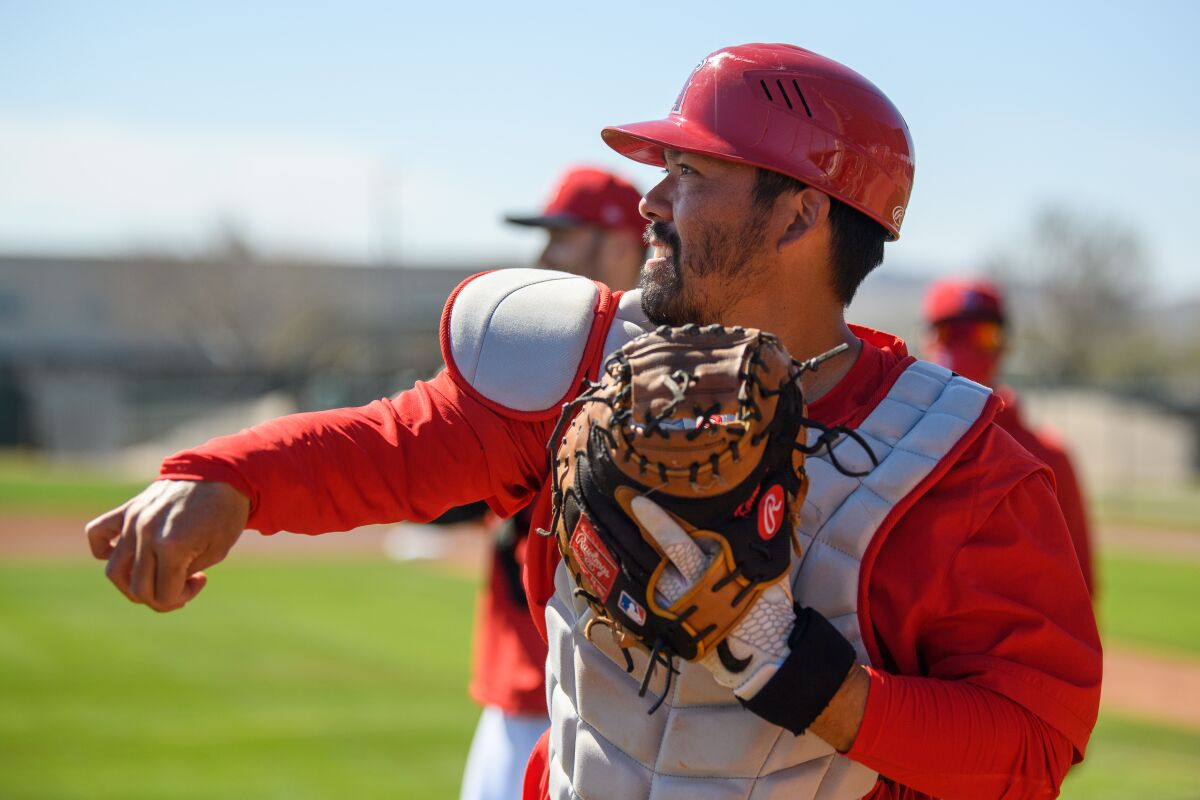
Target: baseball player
{"x":942,"y":644}
{"x":967,"y":332}
{"x":593,"y":229}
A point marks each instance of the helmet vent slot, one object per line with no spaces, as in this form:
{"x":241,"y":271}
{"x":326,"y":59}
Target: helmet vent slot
{"x":800,"y":94}
{"x":783,"y":94}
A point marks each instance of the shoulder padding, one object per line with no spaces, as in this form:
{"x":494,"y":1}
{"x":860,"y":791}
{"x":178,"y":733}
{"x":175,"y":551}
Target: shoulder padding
{"x":629,"y":322}
{"x":521,"y":339}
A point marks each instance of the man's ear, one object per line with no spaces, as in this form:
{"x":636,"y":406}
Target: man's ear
{"x":806,"y":212}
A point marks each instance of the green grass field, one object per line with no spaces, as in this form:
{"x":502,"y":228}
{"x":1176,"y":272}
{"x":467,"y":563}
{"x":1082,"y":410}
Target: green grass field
{"x":346,"y":678}
{"x":1150,"y":602}
{"x":296,"y":679}
{"x":292,"y":680}
{"x":29,"y":485}
{"x":1132,"y":760}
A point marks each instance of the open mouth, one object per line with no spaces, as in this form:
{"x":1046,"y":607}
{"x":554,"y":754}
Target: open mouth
{"x":660,"y":253}
{"x":663,"y":242}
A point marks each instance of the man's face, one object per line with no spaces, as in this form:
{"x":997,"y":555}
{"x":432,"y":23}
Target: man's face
{"x":574,"y":250}
{"x":707,"y":235}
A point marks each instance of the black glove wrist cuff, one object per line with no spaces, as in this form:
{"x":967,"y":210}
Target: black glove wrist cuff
{"x":814,"y":670}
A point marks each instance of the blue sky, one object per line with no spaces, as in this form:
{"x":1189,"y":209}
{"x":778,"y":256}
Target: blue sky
{"x":354,"y":129}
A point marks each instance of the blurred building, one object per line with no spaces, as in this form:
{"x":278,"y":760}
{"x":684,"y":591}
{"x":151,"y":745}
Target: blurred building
{"x":143,"y":356}
{"x":99,"y":354}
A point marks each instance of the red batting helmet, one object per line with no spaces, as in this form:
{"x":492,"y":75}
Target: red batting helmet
{"x":792,"y":111}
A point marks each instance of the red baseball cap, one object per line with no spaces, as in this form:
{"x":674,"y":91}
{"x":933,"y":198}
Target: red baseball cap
{"x":591,"y":197}
{"x":963,"y":298}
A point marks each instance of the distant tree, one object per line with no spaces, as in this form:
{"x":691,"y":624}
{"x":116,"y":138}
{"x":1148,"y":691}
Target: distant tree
{"x":1086,"y":278}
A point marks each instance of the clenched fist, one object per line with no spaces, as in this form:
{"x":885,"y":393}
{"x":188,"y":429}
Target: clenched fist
{"x":157,"y":543}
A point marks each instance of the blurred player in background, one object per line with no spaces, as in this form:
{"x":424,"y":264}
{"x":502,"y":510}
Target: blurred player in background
{"x":593,"y":229}
{"x":967,"y":332}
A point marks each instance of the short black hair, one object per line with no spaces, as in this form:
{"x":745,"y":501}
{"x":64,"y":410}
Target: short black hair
{"x":857,"y":240}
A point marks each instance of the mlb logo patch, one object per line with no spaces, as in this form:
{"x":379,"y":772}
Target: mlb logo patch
{"x":631,"y":608}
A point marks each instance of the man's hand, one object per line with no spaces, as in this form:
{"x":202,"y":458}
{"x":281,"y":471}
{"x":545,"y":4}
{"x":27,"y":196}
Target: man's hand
{"x":759,"y":643}
{"x":818,"y":688}
{"x":157,"y":542}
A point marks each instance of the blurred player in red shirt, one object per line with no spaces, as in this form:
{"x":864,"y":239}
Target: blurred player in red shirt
{"x":967,"y":333}
{"x":593,"y":229}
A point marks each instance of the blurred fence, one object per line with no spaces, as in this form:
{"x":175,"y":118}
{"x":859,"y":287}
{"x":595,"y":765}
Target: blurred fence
{"x":1117,"y":442}
{"x":142,"y":356}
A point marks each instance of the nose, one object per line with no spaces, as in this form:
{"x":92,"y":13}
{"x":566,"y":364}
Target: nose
{"x":656,"y":204}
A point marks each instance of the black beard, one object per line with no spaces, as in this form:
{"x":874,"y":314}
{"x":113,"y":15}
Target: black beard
{"x":722,"y":253}
{"x":662,"y":301}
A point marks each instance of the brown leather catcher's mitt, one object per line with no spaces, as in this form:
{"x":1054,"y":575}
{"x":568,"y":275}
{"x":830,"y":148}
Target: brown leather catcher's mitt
{"x":708,"y":422}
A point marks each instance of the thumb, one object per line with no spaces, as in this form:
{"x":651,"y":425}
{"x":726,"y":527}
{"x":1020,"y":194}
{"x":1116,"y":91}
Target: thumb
{"x":104,"y":530}
{"x":671,"y":538}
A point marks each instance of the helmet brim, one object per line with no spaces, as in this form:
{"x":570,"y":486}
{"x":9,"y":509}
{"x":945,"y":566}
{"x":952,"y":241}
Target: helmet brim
{"x":645,"y":141}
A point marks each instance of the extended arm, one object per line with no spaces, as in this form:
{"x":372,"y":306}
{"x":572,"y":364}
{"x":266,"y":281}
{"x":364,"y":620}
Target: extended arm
{"x":410,"y":457}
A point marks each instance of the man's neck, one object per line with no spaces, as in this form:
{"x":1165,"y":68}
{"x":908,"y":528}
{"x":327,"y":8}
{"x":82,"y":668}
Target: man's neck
{"x":808,"y":323}
{"x":818,"y":382}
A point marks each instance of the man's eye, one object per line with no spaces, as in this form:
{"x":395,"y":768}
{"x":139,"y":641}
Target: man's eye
{"x":685,"y":169}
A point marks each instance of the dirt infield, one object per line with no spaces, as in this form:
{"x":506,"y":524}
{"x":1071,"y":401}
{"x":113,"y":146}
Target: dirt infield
{"x":1153,"y":685}
{"x":1138,"y":683}
{"x":1152,"y":541}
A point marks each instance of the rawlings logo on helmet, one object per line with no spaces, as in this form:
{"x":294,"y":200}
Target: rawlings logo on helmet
{"x":898,"y":215}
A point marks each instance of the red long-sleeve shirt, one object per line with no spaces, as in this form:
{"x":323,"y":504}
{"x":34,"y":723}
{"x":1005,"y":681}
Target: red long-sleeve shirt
{"x":988,"y":679}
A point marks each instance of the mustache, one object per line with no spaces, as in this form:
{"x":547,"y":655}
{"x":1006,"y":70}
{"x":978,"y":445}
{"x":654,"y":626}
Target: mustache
{"x":663,"y":232}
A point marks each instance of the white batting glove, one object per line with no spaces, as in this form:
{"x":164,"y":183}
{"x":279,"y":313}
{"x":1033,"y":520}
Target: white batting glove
{"x":760,"y":639}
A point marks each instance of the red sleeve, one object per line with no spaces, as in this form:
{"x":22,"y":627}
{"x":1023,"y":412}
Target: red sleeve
{"x":964,"y":742}
{"x":410,"y":457}
{"x":1007,"y":654}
